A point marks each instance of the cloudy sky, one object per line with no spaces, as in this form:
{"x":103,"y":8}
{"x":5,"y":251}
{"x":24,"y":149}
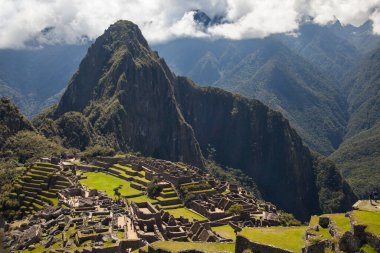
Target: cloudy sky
{"x":162,"y":20}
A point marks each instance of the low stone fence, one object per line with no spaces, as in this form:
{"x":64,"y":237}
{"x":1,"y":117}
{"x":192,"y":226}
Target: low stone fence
{"x":243,"y":243}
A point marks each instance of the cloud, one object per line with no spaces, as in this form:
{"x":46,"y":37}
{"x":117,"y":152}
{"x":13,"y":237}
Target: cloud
{"x":162,"y":20}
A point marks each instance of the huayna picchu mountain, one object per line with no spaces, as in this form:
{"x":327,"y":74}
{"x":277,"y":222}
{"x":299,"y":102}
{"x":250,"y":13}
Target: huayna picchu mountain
{"x":125,"y":94}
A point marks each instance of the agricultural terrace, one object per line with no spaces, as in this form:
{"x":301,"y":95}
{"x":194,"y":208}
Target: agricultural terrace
{"x":206,"y":246}
{"x":106,"y":182}
{"x":289,"y":238}
{"x":370,"y":219}
{"x":38,"y":185}
{"x":225,"y":231}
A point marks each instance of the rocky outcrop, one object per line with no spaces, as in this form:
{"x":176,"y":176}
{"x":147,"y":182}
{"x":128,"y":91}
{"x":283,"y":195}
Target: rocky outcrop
{"x":349,"y":243}
{"x":360,"y":233}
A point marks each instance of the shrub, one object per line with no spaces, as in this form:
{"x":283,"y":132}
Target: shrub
{"x":153,"y":189}
{"x":235,"y":209}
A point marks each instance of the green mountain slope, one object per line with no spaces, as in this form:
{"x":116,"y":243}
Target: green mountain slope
{"x":37,"y":76}
{"x":358,"y":157}
{"x":11,"y":121}
{"x":19,"y":140}
{"x":363,"y":86}
{"x":322,"y":46}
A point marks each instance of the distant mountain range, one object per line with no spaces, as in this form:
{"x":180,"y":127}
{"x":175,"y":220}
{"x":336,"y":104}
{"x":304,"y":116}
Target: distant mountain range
{"x":35,"y":78}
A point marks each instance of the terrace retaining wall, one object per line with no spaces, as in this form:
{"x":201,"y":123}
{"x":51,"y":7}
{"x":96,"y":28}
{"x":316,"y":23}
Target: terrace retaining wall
{"x":243,"y":243}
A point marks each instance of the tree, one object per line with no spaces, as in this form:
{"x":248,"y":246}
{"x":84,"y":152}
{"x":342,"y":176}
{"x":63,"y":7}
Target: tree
{"x":235,"y":209}
{"x":153,"y":190}
{"x":117,"y":191}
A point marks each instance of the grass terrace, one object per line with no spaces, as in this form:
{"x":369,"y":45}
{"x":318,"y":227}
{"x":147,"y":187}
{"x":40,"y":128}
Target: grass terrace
{"x":342,"y":222}
{"x":142,"y":198}
{"x":367,"y":249}
{"x":35,"y":187}
{"x":225,"y":231}
{"x":323,"y":233}
{"x":187,"y":213}
{"x":207,"y":247}
{"x":370,"y":219}
{"x":289,"y":238}
{"x":106,"y":182}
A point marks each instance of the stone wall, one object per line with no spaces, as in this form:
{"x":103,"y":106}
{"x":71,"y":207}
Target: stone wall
{"x":243,"y":243}
{"x":371,"y":239}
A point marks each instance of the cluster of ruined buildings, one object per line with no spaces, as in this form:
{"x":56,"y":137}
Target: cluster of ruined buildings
{"x":88,"y":220}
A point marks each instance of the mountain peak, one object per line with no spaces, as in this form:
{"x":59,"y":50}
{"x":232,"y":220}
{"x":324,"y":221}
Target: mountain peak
{"x":123,"y":33}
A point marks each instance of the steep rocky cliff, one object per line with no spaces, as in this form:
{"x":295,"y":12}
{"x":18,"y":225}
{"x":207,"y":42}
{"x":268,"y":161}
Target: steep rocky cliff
{"x":132,"y":100}
{"x":125,"y":90}
{"x":248,"y":135}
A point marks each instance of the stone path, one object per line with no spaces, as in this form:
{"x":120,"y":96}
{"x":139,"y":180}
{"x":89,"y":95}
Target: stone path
{"x":366,"y":205}
{"x":130,"y":231}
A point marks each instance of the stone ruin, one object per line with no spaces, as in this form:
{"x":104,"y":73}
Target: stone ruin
{"x":88,"y":218}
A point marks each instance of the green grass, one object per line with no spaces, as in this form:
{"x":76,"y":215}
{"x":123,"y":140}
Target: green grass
{"x":39,"y":249}
{"x":70,"y":231}
{"x":371,"y":219}
{"x":142,"y":198}
{"x":185,"y":213}
{"x":164,"y":199}
{"x":206,"y":247}
{"x":290,"y":238}
{"x":367,"y":249}
{"x":342,"y":222}
{"x":20,"y":169}
{"x":108,"y":244}
{"x":323,"y":232}
{"x":120,"y":234}
{"x":225,"y":231}
{"x":121,"y":167}
{"x":105,"y":182}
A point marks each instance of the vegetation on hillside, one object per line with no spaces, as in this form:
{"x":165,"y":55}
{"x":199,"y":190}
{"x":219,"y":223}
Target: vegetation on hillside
{"x":11,"y":120}
{"x":334,"y":193}
{"x":358,"y":159}
{"x":153,"y":190}
{"x":27,"y":146}
{"x":8,"y":175}
{"x":233,"y":176}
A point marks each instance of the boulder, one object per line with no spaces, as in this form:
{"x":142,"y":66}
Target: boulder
{"x":349,"y":243}
{"x":324,"y":221}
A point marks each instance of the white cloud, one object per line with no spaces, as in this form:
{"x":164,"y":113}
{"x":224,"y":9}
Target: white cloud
{"x":161,"y":20}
